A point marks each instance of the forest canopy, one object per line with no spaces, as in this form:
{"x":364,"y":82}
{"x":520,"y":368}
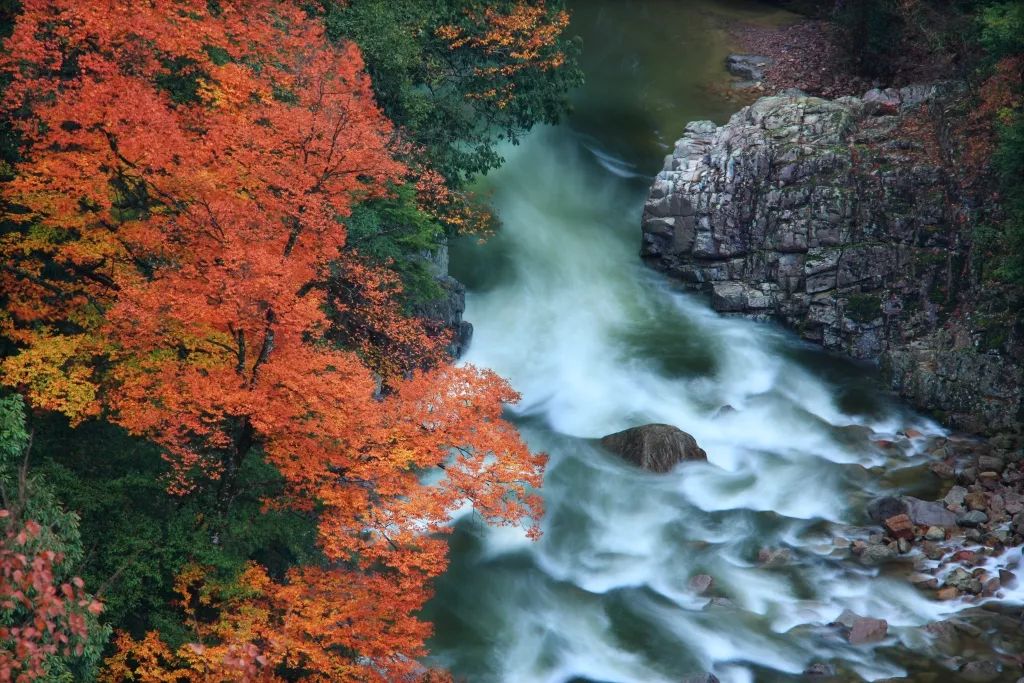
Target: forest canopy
{"x":237,"y":453}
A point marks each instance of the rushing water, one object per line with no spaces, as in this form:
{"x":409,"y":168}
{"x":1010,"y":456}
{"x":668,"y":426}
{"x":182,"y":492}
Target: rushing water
{"x":596,"y":343}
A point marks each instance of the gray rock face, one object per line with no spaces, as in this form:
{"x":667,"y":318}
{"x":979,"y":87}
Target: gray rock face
{"x":827,"y":216}
{"x":654,"y":447}
{"x":445,"y":313}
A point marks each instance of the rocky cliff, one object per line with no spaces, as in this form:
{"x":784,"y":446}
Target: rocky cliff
{"x":845,"y":220}
{"x":443,"y":315}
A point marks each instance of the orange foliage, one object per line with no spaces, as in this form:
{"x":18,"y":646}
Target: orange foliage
{"x":171,"y":271}
{"x":309,"y":623}
{"x":524,"y":38}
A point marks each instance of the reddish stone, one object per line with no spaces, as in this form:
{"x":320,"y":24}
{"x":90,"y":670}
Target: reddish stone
{"x":965,"y":556}
{"x":948,"y":593}
{"x":900,"y":526}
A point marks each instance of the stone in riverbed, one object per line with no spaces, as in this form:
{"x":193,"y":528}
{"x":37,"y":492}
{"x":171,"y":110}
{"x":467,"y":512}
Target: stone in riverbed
{"x":748,"y":67}
{"x":654,"y":447}
{"x":866,"y":630}
{"x":964,"y":581}
{"x":774,"y":557}
{"x":928,"y":513}
{"x":820,"y":669}
{"x":701,"y":584}
{"x":933,"y":551}
{"x":877,"y":553}
{"x":935,"y":533}
{"x":881,"y":509}
{"x":972,"y":519}
{"x":956,"y":496}
{"x":976,"y":500}
{"x":701,"y":678}
{"x":981,"y":671}
{"x":991,"y":463}
{"x":900,"y":527}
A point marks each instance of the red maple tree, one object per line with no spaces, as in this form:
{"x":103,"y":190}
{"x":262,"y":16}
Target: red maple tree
{"x":188,"y":173}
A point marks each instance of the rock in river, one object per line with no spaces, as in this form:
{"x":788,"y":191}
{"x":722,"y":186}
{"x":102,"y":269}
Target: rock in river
{"x":927,"y":513}
{"x":654,"y":447}
{"x":865,"y":630}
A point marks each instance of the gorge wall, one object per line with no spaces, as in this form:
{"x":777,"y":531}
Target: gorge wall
{"x":846,"y":220}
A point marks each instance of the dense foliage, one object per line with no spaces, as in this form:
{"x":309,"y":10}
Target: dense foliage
{"x":1002,"y":36}
{"x":215,"y":217}
{"x":461,"y":75}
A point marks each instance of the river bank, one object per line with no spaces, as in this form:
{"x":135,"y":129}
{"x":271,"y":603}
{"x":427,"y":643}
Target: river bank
{"x":848,"y":220}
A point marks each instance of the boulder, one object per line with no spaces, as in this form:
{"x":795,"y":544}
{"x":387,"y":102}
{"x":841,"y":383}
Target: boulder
{"x":654,"y":447}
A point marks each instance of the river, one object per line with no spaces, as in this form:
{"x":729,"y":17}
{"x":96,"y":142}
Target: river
{"x":595,"y":343}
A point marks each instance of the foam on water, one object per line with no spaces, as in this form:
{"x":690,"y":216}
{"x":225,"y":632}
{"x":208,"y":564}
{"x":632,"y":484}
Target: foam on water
{"x":596,"y":344}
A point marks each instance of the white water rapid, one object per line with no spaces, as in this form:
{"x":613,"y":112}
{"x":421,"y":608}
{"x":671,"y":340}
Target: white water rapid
{"x":596,"y":343}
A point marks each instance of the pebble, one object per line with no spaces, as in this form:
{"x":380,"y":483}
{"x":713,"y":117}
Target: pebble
{"x":935,"y":533}
{"x":877,"y":553}
{"x":900,"y":527}
{"x":956,"y":496}
{"x":932,"y":551}
{"x":976,"y":501}
{"x":972,"y":519}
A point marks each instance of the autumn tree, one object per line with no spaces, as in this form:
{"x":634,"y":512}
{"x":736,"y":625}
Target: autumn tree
{"x":189,"y":171}
{"x":461,"y":76}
